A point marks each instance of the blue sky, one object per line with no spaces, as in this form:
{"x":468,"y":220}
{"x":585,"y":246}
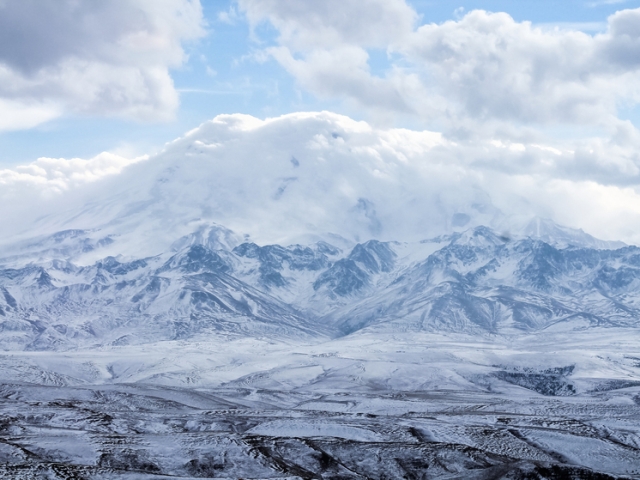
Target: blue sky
{"x":221,"y":74}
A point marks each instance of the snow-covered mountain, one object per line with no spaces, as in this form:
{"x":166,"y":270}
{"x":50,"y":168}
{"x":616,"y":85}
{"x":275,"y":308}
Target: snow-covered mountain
{"x":468,"y":355}
{"x":303,"y":226}
{"x":477,"y":281}
{"x":299,"y":178}
{"x":305,"y":297}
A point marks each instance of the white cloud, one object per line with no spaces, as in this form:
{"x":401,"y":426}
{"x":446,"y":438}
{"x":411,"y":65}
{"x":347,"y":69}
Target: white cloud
{"x":306,"y":26}
{"x":323,"y":45}
{"x":344,"y":72}
{"x":469,"y":74}
{"x":104,"y":58}
{"x":606,"y":2}
{"x":229,"y":17}
{"x":50,"y":176}
{"x":491,"y":67}
{"x":51,"y":188}
{"x":16,"y":115}
{"x":495,"y":86}
{"x":348,"y":178}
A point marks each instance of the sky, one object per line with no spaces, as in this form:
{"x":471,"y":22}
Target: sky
{"x":554,"y":84}
{"x":195,"y":60}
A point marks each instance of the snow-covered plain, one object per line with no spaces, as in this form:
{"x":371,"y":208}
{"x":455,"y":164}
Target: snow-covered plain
{"x":183,"y":319}
{"x":418,"y":406}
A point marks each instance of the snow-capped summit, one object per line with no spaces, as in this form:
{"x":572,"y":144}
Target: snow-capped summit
{"x":280,"y":180}
{"x":284,"y":180}
{"x":550,"y":232}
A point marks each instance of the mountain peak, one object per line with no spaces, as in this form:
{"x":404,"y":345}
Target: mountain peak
{"x":479,"y":237}
{"x":559,"y":236}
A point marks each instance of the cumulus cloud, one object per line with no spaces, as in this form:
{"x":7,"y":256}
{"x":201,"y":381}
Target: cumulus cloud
{"x":344,"y":72}
{"x":105,"y":58}
{"x":51,"y":188}
{"x":323,"y":45}
{"x":481,"y":68}
{"x":492,"y":67}
{"x":50,"y":176}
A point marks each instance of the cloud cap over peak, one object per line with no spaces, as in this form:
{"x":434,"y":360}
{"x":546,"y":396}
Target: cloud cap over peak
{"x":305,"y":174}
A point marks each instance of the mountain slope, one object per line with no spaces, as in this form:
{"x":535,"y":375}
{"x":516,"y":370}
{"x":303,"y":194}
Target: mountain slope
{"x":480,"y":282}
{"x":186,"y":295}
{"x":476,"y":282}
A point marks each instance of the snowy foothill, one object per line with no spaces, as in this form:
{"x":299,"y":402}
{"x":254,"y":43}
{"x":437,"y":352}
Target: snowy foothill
{"x":362,"y":406}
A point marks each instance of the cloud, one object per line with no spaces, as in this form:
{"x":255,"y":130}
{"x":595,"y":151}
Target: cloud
{"x":52,"y":187}
{"x":230,"y":16}
{"x":305,"y":26}
{"x":344,"y":73}
{"x":17,"y":115}
{"x":349,"y":178}
{"x":50,"y":176}
{"x":97,"y":58}
{"x":467,"y":74}
{"x":323,"y":45}
{"x":491,"y":67}
{"x":606,"y":2}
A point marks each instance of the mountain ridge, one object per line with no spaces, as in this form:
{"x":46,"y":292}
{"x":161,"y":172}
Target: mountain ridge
{"x":477,"y":281}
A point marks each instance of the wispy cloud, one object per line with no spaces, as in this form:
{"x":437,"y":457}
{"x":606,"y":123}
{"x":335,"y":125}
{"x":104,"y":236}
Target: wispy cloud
{"x":599,"y":3}
{"x":229,"y":16}
{"x":208,"y":91}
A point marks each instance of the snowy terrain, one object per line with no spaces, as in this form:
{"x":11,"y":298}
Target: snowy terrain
{"x":467,"y":355}
{"x":181,"y":319}
{"x":418,"y":406}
